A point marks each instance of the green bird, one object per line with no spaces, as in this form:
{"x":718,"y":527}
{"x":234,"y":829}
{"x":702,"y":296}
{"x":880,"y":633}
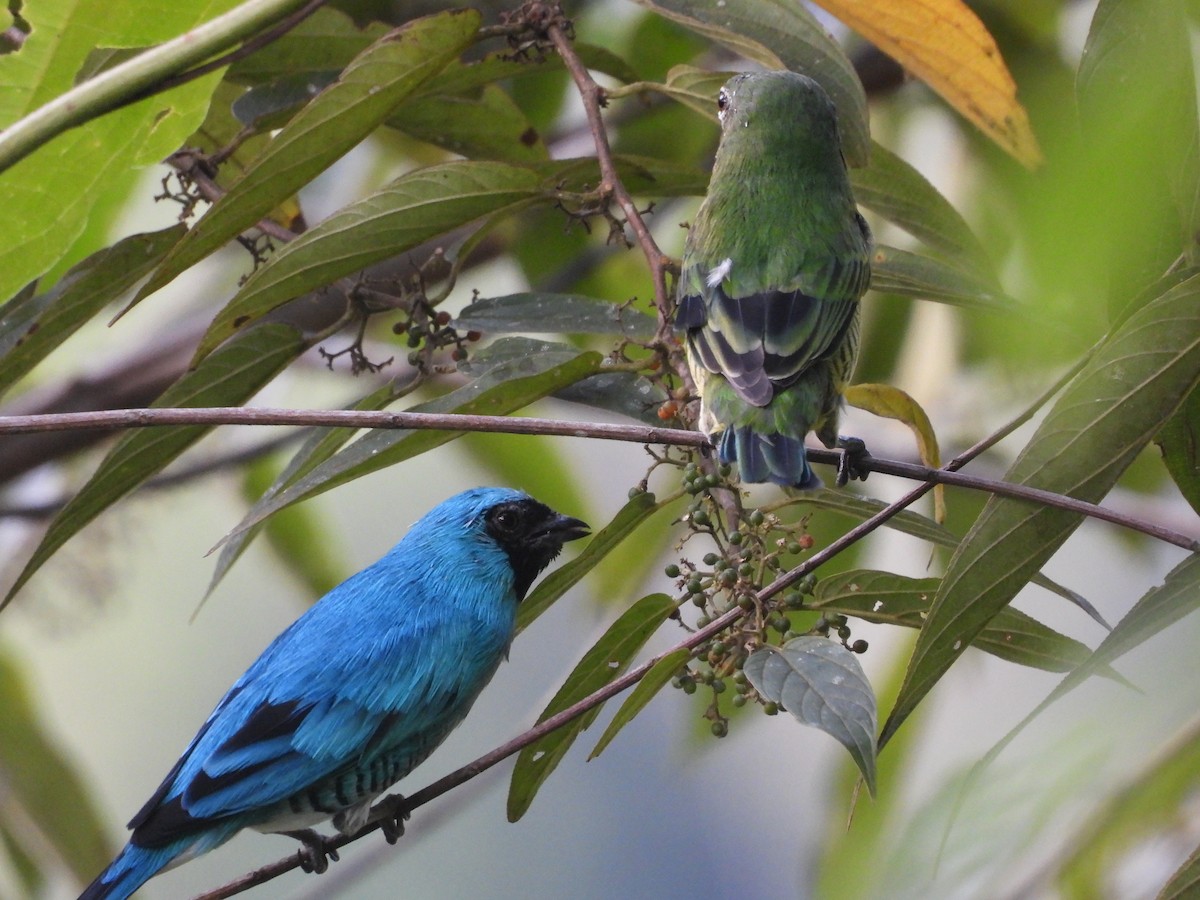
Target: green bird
{"x":773,"y":269}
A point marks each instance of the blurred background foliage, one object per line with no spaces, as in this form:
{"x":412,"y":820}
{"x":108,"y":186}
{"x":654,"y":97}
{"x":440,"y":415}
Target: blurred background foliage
{"x":1028,"y":247}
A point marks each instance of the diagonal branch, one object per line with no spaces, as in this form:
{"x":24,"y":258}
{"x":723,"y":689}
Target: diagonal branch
{"x":133,"y":78}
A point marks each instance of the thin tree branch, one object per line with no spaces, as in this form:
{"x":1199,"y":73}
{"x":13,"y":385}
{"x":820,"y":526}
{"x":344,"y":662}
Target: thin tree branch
{"x":593,"y":99}
{"x":114,"y":87}
{"x":638,"y":434}
{"x":347,"y":418}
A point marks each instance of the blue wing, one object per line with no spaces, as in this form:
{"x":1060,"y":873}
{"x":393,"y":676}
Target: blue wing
{"x":329,"y":696}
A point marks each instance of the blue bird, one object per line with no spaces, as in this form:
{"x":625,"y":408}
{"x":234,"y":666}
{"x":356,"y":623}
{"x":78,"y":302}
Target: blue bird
{"x":355,"y":693}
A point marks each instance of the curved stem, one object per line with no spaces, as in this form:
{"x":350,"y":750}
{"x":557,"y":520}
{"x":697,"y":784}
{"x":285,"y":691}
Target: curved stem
{"x":133,"y":78}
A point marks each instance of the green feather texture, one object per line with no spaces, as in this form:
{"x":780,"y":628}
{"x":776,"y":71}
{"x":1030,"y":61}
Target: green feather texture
{"x":773,"y":269}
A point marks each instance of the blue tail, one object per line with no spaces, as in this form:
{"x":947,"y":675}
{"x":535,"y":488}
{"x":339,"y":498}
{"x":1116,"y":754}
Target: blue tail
{"x":132,"y":868}
{"x":767,"y":457}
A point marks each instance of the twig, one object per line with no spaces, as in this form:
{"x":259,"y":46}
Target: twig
{"x":592,"y":96}
{"x":638,"y":434}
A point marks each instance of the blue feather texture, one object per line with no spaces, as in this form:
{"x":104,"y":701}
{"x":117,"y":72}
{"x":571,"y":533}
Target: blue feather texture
{"x":356,"y":692}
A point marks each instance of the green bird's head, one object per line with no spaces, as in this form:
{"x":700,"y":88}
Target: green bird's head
{"x":778,"y":113}
{"x":779,"y":205}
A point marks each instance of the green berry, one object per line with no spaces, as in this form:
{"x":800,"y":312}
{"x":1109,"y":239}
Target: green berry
{"x":771,"y":708}
{"x":720,"y":729}
{"x":672,"y":571}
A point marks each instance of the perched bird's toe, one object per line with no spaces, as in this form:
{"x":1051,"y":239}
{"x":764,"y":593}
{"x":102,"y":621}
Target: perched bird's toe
{"x":397,"y":813}
{"x":316,"y":851}
{"x":852,"y":463}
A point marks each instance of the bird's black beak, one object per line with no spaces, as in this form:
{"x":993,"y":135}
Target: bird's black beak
{"x":562,"y":529}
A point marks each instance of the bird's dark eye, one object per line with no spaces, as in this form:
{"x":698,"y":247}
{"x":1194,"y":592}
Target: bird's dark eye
{"x":722,"y":102}
{"x":506,"y":519}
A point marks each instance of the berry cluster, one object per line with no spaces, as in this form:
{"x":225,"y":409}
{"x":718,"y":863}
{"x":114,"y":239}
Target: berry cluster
{"x":762,"y":548}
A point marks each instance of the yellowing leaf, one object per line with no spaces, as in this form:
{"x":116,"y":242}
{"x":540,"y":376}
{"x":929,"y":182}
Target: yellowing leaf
{"x":893,"y":403}
{"x":945,"y":45}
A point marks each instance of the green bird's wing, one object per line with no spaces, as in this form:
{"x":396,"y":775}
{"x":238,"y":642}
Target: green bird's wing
{"x":763,"y":341}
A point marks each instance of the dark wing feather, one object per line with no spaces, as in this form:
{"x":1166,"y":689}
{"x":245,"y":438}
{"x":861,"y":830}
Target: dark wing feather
{"x":763,"y":342}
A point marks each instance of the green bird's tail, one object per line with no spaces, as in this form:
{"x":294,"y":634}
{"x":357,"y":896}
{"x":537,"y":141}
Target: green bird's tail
{"x":767,"y":457}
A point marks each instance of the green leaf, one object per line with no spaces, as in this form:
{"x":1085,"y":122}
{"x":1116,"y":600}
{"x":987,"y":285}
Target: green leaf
{"x":1160,"y":607}
{"x":227,"y":378}
{"x":897,"y":600}
{"x":643,"y":692}
{"x":487,"y":126}
{"x":1179,"y":441}
{"x":1136,"y":95}
{"x":608,"y":658}
{"x":464,"y":77}
{"x":896,"y":271}
{"x":31,"y":328}
{"x":625,"y":393}
{"x":41,"y":788}
{"x":412,"y":209}
{"x":271,"y":105}
{"x":498,"y":391}
{"x":333,"y":123}
{"x":821,"y":684}
{"x":862,"y":508}
{"x":695,"y":88}
{"x":642,"y":175}
{"x":907,"y":522}
{"x":903,"y":196}
{"x":1102,"y":420}
{"x":782,"y":34}
{"x":540,"y":312}
{"x":1185,"y":882}
{"x":328,"y":39}
{"x":91,"y":170}
{"x":636,"y":511}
